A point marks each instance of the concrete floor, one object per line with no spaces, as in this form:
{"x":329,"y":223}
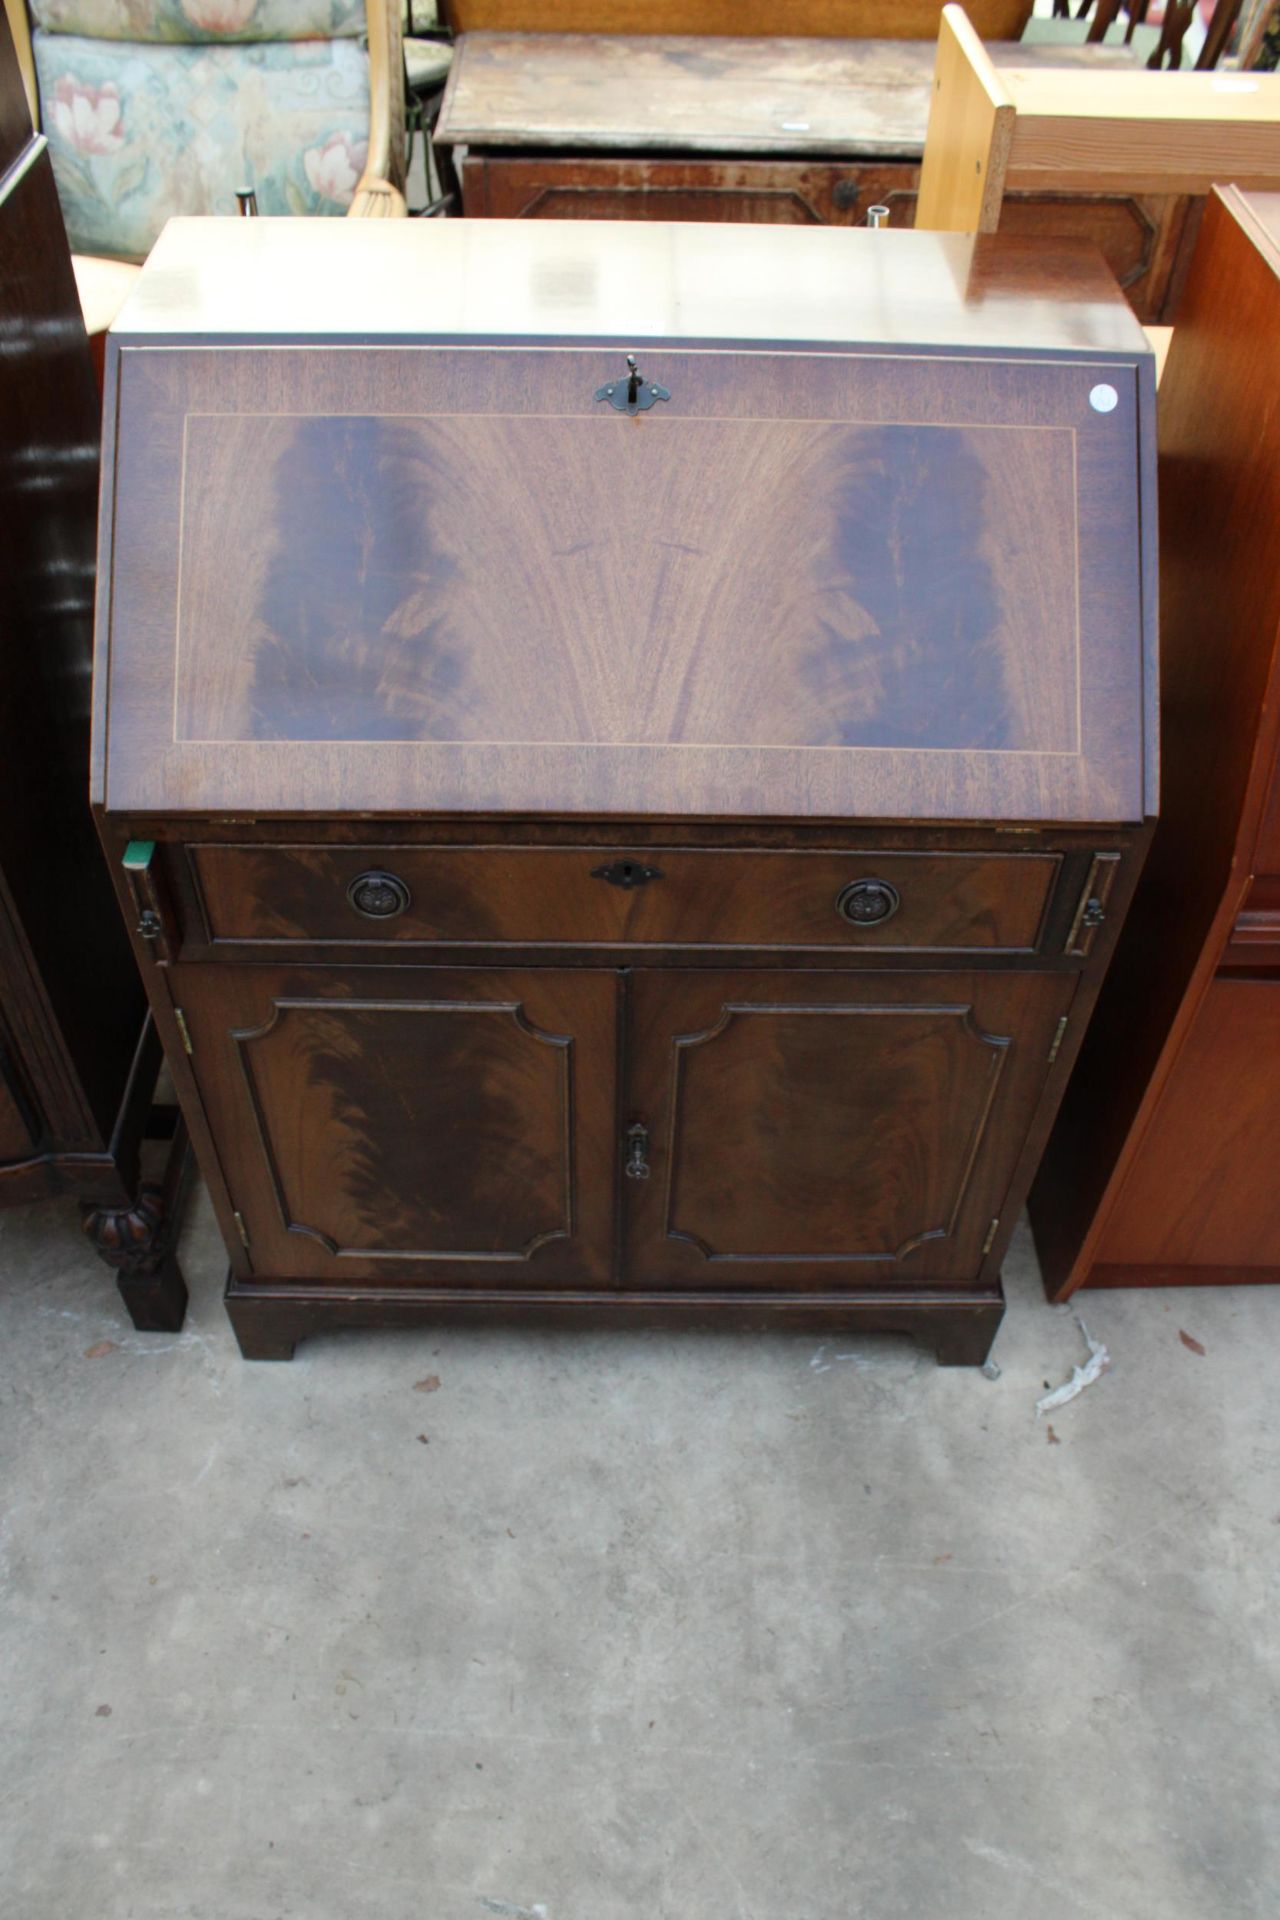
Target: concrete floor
{"x":700,"y":1628}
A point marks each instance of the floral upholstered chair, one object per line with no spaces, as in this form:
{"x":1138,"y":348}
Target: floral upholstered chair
{"x":158,"y":107}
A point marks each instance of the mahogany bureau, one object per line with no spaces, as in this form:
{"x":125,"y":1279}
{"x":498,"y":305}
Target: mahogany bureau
{"x":623,"y":841}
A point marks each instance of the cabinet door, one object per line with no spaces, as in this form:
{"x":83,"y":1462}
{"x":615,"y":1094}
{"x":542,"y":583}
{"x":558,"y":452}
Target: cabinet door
{"x":829,"y":1130}
{"x":414,"y":1129}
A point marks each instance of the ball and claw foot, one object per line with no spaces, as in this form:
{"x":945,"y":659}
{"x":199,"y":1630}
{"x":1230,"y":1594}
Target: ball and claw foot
{"x":136,"y":1242}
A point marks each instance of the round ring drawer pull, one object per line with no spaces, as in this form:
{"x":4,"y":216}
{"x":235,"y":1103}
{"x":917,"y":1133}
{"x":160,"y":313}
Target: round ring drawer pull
{"x":865,"y":903}
{"x":378,"y":896}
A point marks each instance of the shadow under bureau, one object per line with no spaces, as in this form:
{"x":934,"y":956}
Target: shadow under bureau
{"x":628,"y":839}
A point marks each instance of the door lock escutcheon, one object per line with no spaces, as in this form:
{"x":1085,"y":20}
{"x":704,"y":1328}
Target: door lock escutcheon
{"x":637,"y":1141}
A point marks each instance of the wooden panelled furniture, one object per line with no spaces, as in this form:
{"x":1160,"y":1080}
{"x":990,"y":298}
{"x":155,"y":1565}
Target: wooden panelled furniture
{"x":1112,"y":131}
{"x":1162,"y":1167}
{"x":825,"y":19}
{"x":795,"y":132}
{"x":624,"y":842}
{"x":78,"y":1053}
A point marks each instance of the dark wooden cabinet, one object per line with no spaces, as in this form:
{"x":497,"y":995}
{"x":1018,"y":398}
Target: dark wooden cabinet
{"x":1161,"y":1169}
{"x":391,"y":1125}
{"x":629,"y":846}
{"x":78,"y":1053}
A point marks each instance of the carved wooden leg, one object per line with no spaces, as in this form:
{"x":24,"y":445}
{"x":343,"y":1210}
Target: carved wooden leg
{"x":137,"y":1242}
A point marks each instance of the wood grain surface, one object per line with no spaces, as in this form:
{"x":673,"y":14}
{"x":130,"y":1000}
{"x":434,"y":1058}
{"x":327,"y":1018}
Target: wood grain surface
{"x":971,"y":126}
{"x":573,"y":610}
{"x":830,"y":1125}
{"x":1147,"y":132}
{"x":563,"y":581}
{"x":842,"y":19}
{"x":649,"y":92}
{"x":1259,"y":218}
{"x":393,"y":1127}
{"x":528,"y":896}
{"x":773,"y":192}
{"x":1203,"y":1191}
{"x":433,"y":281}
{"x":1220,"y":631}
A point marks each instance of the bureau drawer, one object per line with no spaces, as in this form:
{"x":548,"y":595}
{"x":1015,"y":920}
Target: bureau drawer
{"x":593,"y":896}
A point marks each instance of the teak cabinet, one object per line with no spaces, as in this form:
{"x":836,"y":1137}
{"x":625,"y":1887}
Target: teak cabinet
{"x":623,"y":843}
{"x":1161,"y":1169}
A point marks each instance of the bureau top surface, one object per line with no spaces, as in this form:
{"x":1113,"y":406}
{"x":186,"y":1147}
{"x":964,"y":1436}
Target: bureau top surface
{"x":378,"y":540}
{"x":548,"y":280}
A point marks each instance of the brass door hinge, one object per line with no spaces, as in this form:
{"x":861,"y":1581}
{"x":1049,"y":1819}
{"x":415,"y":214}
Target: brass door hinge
{"x":242,"y":1230}
{"x":990,"y":1240}
{"x":1058,"y":1038}
{"x":183,"y":1029}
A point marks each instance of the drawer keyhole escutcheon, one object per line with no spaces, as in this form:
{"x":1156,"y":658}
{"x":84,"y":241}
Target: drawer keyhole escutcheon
{"x":626,"y":874}
{"x":378,"y":896}
{"x":865,"y":903}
